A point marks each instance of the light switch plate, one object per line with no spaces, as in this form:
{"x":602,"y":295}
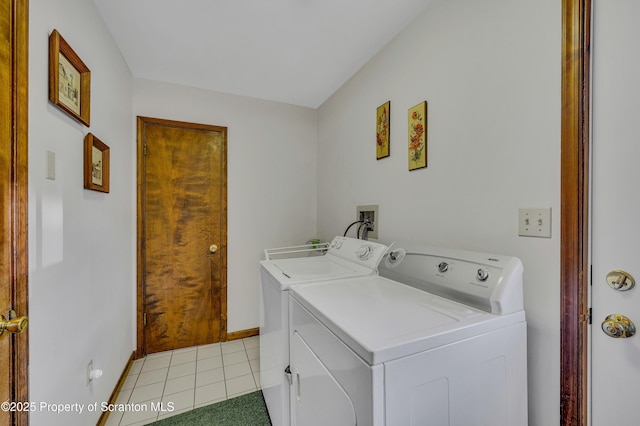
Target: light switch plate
{"x":534,"y":222}
{"x":51,"y":165}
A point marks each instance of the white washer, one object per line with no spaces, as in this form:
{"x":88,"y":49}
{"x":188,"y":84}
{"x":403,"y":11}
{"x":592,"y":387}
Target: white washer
{"x":438,"y":338}
{"x":345,"y":257}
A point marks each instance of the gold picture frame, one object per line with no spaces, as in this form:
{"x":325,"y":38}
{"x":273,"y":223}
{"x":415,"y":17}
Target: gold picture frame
{"x":69,"y":80}
{"x":418,"y":136}
{"x":96,"y":164}
{"x":383,"y":117}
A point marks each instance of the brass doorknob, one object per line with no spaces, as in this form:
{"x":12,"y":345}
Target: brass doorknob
{"x":618,"y":326}
{"x":14,"y":325}
{"x":213,"y":248}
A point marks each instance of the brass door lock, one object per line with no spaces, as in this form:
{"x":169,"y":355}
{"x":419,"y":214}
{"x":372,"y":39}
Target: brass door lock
{"x":620,"y":280}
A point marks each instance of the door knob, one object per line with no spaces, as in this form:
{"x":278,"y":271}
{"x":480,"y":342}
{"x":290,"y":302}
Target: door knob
{"x":620,"y":280}
{"x":14,"y":324}
{"x":618,"y":326}
{"x":213,"y":248}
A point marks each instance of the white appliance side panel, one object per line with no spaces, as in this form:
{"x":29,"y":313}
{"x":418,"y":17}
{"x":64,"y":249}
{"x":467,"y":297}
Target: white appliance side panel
{"x":274,"y":349}
{"x":481,"y":381}
{"x":352,"y":374}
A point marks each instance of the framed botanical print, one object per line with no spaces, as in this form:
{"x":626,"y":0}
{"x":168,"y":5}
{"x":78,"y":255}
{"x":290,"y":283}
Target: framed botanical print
{"x":96,"y":164}
{"x":383,"y":114}
{"x":418,"y":136}
{"x":69,"y":80}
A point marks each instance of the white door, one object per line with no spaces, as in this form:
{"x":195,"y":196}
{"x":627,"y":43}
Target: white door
{"x":615,"y":200}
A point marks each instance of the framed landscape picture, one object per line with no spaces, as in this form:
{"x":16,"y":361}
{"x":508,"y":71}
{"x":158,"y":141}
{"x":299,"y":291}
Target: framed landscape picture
{"x":96,"y":164}
{"x":69,"y":80}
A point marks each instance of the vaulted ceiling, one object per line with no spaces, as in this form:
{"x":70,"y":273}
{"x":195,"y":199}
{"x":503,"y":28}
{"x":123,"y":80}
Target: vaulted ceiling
{"x":293,"y":51}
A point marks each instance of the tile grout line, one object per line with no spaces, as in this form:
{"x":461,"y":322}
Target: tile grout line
{"x":195,"y":382}
{"x":224,"y":375}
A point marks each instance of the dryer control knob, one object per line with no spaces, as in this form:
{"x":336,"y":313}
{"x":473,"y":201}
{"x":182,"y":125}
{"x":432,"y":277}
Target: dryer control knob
{"x":482,"y":274}
{"x":443,"y":267}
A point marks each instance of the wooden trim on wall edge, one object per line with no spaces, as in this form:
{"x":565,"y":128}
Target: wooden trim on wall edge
{"x":114,"y":395}
{"x":139,"y":240}
{"x":576,"y":33}
{"x":19,"y":196}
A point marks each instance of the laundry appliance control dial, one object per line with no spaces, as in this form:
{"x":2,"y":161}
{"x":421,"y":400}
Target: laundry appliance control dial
{"x":364,"y":252}
{"x":482,"y":274}
{"x":443,"y":267}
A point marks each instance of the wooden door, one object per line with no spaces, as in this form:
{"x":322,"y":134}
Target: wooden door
{"x":181,"y":234}
{"x":13,"y":205}
{"x":615,"y":361}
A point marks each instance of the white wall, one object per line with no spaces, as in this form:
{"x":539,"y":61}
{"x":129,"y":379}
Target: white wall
{"x":271,"y":177}
{"x":490,"y":72}
{"x":81,"y":243}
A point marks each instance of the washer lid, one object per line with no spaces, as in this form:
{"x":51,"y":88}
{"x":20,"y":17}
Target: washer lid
{"x":382,"y":320}
{"x":312,"y":269}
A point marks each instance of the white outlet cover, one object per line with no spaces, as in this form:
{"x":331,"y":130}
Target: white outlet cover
{"x":534,"y":222}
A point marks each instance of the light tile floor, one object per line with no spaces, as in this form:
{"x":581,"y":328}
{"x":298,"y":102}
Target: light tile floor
{"x":168,"y":383}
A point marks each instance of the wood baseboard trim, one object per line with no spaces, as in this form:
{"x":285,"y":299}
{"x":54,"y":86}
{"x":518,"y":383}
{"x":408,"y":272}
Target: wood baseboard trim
{"x":112,"y":399}
{"x":235,"y":335}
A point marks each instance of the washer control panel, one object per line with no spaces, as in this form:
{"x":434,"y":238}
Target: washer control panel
{"x":364,"y":252}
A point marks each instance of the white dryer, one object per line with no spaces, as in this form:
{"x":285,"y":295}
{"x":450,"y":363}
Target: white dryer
{"x":438,"y":338}
{"x":344,"y":257}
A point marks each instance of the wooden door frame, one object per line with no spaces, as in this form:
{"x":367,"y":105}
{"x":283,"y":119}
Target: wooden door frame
{"x":15,"y":150}
{"x":141,"y":234}
{"x":574,"y":239}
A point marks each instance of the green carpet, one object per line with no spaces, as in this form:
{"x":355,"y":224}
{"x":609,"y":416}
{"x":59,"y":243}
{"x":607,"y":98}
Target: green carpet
{"x":244,"y":410}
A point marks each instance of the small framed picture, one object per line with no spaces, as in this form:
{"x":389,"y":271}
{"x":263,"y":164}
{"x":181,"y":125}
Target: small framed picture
{"x":383,"y":115}
{"x":96,"y":164}
{"x":69,"y":80}
{"x":418,"y":136}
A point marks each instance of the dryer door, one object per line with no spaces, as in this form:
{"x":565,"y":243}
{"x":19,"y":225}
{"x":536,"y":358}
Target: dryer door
{"x":316,"y":398}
